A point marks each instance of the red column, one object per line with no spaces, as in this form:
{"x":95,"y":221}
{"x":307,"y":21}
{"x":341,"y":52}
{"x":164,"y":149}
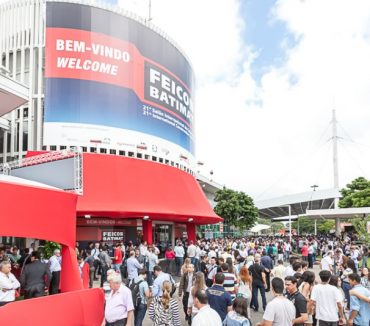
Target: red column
{"x":70,"y":279}
{"x":148,"y":231}
{"x":191,"y":228}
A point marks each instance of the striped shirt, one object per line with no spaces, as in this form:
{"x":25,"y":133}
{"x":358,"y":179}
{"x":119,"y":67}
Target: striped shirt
{"x":230,"y":283}
{"x":161,"y":316}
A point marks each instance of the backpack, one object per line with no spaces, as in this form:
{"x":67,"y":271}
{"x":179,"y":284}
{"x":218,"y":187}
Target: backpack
{"x":135,"y":292}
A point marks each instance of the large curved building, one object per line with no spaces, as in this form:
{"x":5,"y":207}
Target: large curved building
{"x":114,"y":86}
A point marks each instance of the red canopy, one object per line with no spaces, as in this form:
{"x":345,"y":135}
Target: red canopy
{"x":116,"y":186}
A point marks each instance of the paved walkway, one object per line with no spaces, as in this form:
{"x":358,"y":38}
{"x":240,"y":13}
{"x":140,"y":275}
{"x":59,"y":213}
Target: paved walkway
{"x":255,"y":316}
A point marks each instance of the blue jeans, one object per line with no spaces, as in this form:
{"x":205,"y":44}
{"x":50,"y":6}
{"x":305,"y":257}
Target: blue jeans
{"x":139,"y":314}
{"x":179,"y":261}
{"x":346,"y":287}
{"x":116,"y":267}
{"x":150,"y":278}
{"x":254,"y":302}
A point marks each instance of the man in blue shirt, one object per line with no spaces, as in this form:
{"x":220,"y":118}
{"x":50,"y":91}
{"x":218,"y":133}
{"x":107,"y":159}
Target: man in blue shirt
{"x":359,"y":314}
{"x":218,"y":298}
{"x":133,"y":266}
{"x":144,"y":293}
{"x":160,"y":277}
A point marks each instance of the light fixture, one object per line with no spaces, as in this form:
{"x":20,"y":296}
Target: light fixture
{"x":190,"y":219}
{"x":146,"y":217}
{"x":87,"y":216}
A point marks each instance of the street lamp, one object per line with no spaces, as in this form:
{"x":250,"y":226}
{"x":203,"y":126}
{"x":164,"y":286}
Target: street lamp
{"x":290,"y":220}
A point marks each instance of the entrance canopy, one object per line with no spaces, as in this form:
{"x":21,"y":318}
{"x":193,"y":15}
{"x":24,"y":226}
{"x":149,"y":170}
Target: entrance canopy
{"x":275,"y":208}
{"x":116,"y":186}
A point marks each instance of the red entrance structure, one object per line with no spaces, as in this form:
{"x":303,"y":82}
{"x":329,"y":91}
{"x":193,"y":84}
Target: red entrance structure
{"x":123,"y":187}
{"x":46,"y":213}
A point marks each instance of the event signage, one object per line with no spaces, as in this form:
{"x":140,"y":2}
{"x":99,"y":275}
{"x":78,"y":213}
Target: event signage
{"x":113,"y":235}
{"x":115,"y":85}
{"x":107,"y":222}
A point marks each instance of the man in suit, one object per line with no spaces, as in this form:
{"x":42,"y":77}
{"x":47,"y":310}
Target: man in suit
{"x":35,"y":277}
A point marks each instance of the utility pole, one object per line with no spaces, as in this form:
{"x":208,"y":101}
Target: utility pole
{"x":335,"y":170}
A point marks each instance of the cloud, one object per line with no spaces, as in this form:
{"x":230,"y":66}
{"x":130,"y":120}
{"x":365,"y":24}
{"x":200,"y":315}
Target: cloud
{"x":265,"y":138}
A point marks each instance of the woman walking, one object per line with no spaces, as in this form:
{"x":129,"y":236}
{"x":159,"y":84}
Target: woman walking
{"x":164,"y":310}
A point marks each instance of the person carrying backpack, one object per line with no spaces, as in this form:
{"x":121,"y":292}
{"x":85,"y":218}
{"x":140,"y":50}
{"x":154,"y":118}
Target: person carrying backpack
{"x":140,"y":293}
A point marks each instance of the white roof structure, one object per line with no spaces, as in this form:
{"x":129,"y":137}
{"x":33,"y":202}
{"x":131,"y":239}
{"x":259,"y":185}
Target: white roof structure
{"x":25,"y":182}
{"x":339,"y":212}
{"x":299,"y":203}
{"x":259,"y":227}
{"x":12,"y":94}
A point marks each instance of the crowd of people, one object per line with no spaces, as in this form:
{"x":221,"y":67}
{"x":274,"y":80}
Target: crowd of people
{"x":220,"y":281}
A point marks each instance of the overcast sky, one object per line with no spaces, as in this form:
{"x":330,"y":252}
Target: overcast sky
{"x":269,"y":73}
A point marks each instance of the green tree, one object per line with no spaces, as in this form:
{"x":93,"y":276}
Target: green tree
{"x":306,"y":225}
{"x":236,"y":208}
{"x":48,"y":249}
{"x":356,"y":194}
{"x":360,"y":225}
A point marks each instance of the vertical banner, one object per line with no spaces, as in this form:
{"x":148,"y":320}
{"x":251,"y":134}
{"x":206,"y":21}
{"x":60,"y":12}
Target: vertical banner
{"x":112,"y":81}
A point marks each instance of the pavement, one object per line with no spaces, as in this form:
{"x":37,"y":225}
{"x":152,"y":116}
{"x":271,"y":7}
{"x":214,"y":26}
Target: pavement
{"x":255,"y":316}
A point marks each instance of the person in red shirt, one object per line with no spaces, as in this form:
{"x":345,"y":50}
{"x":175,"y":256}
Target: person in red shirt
{"x":170,"y":257}
{"x":117,"y":259}
{"x":304,"y":251}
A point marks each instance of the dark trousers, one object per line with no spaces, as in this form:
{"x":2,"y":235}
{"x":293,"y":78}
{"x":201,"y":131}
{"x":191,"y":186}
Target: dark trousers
{"x":139,"y":314}
{"x":121,"y":322}
{"x":168,"y":265}
{"x":91,"y":276}
{"x":185,"y":299}
{"x":103,"y":278}
{"x":328,"y":323}
{"x":179,"y":261}
{"x":254,"y":302}
{"x":310,"y":260}
{"x":35,"y":291}
{"x":54,"y":283}
{"x":268,"y":281}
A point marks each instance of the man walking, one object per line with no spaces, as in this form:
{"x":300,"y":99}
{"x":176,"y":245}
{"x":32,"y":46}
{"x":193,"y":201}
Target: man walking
{"x":280,"y":311}
{"x":328,"y":302}
{"x":179,"y":258}
{"x":218,"y":298}
{"x":299,"y":301}
{"x":258,"y":282}
{"x":359,"y":314}
{"x":35,"y":278}
{"x":133,"y":266}
{"x":55,"y":266}
{"x":267,"y":263}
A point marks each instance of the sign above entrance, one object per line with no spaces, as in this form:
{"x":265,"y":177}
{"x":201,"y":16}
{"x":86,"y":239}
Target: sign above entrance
{"x":106,"y":222}
{"x":113,"y":235}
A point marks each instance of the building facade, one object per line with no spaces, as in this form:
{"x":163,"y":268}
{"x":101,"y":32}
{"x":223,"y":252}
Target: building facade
{"x":121,"y":92}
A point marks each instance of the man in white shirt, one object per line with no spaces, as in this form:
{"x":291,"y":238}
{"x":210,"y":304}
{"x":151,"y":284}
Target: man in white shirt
{"x":191,"y":252}
{"x":119,"y":308}
{"x":280,"y":311}
{"x":55,"y":266}
{"x":8,"y":283}
{"x":206,"y":315}
{"x":327,"y":262}
{"x":327,"y":300}
{"x":179,"y":258}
